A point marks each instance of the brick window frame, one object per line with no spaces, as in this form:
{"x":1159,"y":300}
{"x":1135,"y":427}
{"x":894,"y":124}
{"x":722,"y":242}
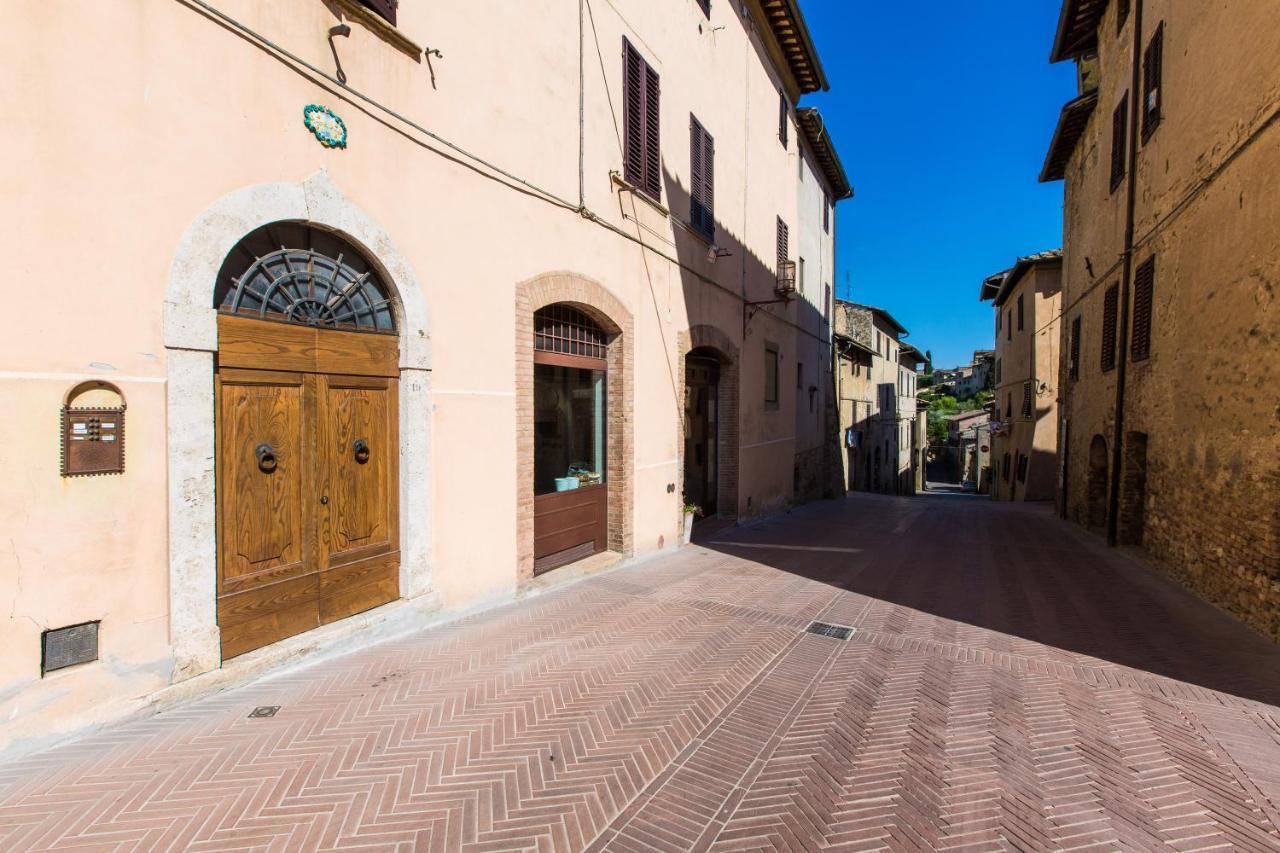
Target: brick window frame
{"x":609,"y":312}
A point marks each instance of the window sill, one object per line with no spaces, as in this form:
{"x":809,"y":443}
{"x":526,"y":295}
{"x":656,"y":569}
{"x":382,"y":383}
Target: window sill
{"x":626,"y":186}
{"x":356,"y":11}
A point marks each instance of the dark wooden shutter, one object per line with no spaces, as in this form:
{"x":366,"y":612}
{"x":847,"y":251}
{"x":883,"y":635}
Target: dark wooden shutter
{"x":652,"y":139}
{"x":783,"y":249}
{"x":1110,"y":312}
{"x":1021,"y":313}
{"x":385,"y":8}
{"x":1028,"y":395}
{"x":1143,"y":290}
{"x":782,"y":118}
{"x":633,"y":115}
{"x":1073,"y":366}
{"x":826,"y":213}
{"x":641,"y":152}
{"x":1152,"y":91}
{"x":1119,"y":141}
{"x":702,"y":156}
{"x":1122,"y":14}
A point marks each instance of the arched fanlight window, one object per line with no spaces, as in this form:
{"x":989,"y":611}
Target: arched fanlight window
{"x":566,"y":330}
{"x":291,"y":272}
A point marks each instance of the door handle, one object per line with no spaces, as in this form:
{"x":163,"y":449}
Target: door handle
{"x":266,"y":455}
{"x":361,"y":451}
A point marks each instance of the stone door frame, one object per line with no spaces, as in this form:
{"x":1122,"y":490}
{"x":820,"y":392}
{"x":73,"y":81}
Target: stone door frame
{"x":191,"y":341}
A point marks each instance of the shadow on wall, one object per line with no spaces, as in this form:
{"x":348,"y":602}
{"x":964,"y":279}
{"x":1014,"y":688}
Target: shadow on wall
{"x":1018,"y":570}
{"x":716,"y":275}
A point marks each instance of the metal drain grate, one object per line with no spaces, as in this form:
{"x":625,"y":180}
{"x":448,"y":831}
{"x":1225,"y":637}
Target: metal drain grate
{"x":823,"y":629}
{"x":264,"y":711}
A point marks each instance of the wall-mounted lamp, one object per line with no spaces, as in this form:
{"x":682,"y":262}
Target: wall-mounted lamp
{"x":343,"y":30}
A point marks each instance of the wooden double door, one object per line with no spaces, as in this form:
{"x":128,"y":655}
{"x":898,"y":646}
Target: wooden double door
{"x":307,"y":457}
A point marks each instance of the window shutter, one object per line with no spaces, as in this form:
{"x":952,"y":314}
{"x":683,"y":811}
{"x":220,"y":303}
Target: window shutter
{"x":1021,"y":314}
{"x":1028,"y":394}
{"x":652,"y":157}
{"x":633,"y":73}
{"x":1073,"y":366}
{"x":1122,"y":14}
{"x":641,"y":157}
{"x":697,"y":213}
{"x":782,"y":118}
{"x":705,"y":5}
{"x":385,"y":8}
{"x":1110,"y":311}
{"x":1152,"y":91}
{"x":1143,"y":290}
{"x":826,"y":213}
{"x":783,"y":249}
{"x":1119,"y":141}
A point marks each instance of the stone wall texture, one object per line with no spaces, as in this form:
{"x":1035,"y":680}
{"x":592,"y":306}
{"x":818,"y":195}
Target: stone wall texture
{"x":1199,"y":486}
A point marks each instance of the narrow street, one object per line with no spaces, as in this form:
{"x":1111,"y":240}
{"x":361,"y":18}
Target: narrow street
{"x":1008,"y":686}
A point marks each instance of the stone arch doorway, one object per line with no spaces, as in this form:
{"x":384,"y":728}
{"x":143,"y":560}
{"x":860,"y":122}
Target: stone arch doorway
{"x":709,"y":450}
{"x":1096,"y":485}
{"x":580,"y":306}
{"x":307,"y":442}
{"x":191,"y":343}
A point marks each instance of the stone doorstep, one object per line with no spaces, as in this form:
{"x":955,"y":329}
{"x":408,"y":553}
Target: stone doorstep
{"x":389,"y":622}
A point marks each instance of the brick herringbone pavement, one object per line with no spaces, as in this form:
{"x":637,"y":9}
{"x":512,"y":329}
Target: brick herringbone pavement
{"x":1011,"y":685}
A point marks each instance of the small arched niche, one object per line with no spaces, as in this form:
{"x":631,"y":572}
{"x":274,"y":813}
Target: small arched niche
{"x":92,"y":429}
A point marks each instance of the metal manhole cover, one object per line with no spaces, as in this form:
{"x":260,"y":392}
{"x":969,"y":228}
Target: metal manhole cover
{"x":824,"y":629}
{"x":264,"y":711}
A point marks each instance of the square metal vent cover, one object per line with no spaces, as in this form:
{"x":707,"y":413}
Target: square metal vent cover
{"x":824,"y":629}
{"x":63,"y":647}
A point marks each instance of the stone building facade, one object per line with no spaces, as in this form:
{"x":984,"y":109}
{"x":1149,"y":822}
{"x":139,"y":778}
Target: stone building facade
{"x":1027,"y":301}
{"x":882,"y":432}
{"x":1170,"y":428}
{"x":497,"y":276}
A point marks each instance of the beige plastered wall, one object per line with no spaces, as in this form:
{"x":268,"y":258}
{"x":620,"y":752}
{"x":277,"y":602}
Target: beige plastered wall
{"x":155,"y":122}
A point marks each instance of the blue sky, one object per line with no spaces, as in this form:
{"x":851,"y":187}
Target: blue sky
{"x":942,"y":113}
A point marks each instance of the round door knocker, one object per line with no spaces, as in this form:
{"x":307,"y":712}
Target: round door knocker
{"x":362,"y":451}
{"x":266,"y":458}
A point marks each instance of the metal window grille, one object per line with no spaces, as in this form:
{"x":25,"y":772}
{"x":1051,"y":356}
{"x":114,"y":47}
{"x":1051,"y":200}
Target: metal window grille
{"x":566,"y":330}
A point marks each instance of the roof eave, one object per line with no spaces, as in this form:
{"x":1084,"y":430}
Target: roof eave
{"x":819,"y":139}
{"x":802,"y":57}
{"x":1077,"y":31}
{"x":1066,"y":135}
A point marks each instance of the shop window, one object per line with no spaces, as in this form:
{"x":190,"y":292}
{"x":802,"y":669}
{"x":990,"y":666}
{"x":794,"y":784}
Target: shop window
{"x":569,"y":400}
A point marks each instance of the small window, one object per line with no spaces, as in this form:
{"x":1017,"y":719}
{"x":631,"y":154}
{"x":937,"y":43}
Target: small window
{"x":1073,"y":364}
{"x":1152,"y":74}
{"x":771,"y":374}
{"x":1008,"y":405}
{"x":782,"y":118}
{"x":826,"y":213}
{"x":1008,"y":325}
{"x":642,"y":162}
{"x":997,"y":371}
{"x":800,"y":274}
{"x":702,"y":168}
{"x":1119,"y":141}
{"x":1022,"y":468}
{"x":799,"y":374}
{"x":1021,"y":313}
{"x":1110,"y":310}
{"x":1005,"y":468}
{"x":1144,"y":280}
{"x":1028,"y":397}
{"x":385,"y":9}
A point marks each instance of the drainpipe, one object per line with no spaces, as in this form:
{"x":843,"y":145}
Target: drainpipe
{"x":1131,"y":194}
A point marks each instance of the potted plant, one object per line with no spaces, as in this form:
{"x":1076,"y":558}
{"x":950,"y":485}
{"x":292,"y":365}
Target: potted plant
{"x":691,"y":511}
